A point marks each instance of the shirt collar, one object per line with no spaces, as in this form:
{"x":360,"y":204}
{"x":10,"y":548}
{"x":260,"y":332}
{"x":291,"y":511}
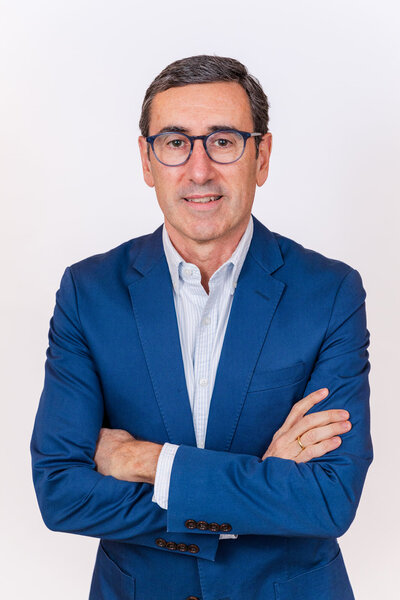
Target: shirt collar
{"x":174,"y":259}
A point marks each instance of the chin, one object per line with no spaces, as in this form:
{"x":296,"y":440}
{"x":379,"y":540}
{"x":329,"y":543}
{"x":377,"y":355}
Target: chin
{"x":205,"y":234}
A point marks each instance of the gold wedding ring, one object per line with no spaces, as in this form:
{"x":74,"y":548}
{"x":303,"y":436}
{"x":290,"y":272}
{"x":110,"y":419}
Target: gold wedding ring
{"x":301,"y":445}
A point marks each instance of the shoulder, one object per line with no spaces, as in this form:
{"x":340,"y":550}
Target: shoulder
{"x":115,"y":262}
{"x":305,"y":270}
{"x":307,"y":260}
{"x":320,"y":273}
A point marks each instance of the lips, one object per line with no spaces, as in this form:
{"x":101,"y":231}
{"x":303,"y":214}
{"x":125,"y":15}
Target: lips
{"x":203,"y":200}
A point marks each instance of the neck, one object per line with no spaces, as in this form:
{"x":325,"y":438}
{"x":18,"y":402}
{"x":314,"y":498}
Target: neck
{"x":207,"y":255}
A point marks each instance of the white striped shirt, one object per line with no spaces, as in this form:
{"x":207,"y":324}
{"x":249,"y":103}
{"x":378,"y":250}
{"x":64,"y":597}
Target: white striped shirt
{"x":202,"y":320}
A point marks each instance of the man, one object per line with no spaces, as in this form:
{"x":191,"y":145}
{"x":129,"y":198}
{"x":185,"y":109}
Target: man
{"x":200,"y":380}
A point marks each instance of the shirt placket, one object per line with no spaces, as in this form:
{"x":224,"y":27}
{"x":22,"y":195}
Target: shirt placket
{"x":202,"y":363}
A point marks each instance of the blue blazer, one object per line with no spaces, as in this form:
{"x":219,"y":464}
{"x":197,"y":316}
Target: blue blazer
{"x":297,"y":323}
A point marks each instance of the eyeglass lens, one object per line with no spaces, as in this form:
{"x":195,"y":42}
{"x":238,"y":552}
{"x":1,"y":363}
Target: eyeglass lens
{"x":222,"y":146}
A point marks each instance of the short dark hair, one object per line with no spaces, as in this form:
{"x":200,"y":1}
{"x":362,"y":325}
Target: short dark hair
{"x":208,"y":69}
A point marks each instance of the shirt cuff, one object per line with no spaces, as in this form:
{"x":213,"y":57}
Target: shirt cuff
{"x":163,"y":474}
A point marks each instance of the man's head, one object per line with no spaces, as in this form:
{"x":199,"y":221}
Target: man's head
{"x":195,"y":95}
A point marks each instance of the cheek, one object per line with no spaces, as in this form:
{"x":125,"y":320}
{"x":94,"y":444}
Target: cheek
{"x":243,"y":183}
{"x":165,"y":186}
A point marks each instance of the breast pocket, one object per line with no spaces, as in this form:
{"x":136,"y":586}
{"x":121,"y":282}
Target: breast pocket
{"x":329,"y":582}
{"x":276,"y":378}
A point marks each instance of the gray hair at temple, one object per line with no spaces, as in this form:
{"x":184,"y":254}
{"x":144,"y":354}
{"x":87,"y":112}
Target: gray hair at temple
{"x":208,"y":69}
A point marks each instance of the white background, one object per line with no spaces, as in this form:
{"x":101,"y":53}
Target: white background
{"x":73,"y":76}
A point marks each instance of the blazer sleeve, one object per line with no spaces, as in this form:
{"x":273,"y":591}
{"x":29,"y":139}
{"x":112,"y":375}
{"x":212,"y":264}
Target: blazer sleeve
{"x":278,"y":496}
{"x":72,"y":496}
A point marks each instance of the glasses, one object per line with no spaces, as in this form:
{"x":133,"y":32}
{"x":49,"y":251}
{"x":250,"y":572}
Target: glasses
{"x":224,"y":146}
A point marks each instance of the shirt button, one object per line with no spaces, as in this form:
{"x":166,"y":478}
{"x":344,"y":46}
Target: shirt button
{"x":206,"y":321}
{"x":188,"y":272}
{"x":203,"y":381}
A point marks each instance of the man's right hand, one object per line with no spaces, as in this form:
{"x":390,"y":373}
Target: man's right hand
{"x":318,"y":431}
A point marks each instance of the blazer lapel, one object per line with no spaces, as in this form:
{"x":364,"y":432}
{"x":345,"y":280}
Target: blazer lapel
{"x":154,"y":309}
{"x":256,"y":298}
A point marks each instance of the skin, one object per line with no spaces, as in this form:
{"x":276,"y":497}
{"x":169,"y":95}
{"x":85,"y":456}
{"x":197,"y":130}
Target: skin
{"x":207,"y":235}
{"x":206,"y":238}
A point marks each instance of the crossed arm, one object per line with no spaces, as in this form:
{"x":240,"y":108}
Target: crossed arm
{"x":102,"y":485}
{"x":121,"y":455}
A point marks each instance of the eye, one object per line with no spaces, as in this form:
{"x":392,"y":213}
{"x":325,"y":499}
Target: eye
{"x":222,"y":142}
{"x":172,"y":141}
{"x":176,"y":143}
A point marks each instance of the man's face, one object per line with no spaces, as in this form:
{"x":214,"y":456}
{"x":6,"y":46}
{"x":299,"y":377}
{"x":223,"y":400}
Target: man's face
{"x":197,"y":109}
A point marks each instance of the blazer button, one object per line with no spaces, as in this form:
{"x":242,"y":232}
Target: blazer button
{"x":161,"y":542}
{"x":191,"y":524}
{"x":171,"y":545}
{"x":213,"y":527}
{"x":203,"y":525}
{"x":182,"y":547}
{"x":193,"y":548}
{"x":225,"y":527}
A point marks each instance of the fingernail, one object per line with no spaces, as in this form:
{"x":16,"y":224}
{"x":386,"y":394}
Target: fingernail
{"x":323,"y":391}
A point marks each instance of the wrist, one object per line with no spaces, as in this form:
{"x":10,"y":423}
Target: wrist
{"x":145,"y":461}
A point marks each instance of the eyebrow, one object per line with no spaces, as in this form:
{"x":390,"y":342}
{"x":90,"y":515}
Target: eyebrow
{"x":180,"y":129}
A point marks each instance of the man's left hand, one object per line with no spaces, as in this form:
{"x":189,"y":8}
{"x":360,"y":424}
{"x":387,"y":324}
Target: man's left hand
{"x":124,"y":457}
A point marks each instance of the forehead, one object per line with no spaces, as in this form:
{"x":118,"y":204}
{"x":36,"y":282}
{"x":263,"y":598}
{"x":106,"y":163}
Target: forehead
{"x":200,"y":106}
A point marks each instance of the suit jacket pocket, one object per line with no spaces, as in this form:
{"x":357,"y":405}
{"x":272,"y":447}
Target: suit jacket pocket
{"x":274,"y":378}
{"x":109,"y":582}
{"x":329,"y":582}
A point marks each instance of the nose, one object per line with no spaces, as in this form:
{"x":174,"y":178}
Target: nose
{"x":199,"y":168}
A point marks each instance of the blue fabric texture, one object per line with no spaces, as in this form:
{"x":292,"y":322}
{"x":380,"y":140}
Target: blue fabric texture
{"x":297,"y":323}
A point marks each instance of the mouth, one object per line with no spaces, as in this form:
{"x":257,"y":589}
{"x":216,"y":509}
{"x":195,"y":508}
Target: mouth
{"x":203,"y":200}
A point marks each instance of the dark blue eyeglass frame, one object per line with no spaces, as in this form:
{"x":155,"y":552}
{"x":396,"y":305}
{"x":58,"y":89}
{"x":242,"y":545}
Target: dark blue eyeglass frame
{"x":245,"y":135}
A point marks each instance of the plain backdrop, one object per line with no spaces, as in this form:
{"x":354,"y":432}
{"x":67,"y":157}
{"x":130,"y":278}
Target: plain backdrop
{"x":72,"y":79}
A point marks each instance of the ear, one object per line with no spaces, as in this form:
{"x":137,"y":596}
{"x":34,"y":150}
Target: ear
{"x":146,"y":164}
{"x":264,"y":152}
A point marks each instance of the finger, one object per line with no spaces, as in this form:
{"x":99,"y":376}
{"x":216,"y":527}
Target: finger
{"x":299,"y":409}
{"x":318,"y":434}
{"x":317,"y":450}
{"x":318,"y":419}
